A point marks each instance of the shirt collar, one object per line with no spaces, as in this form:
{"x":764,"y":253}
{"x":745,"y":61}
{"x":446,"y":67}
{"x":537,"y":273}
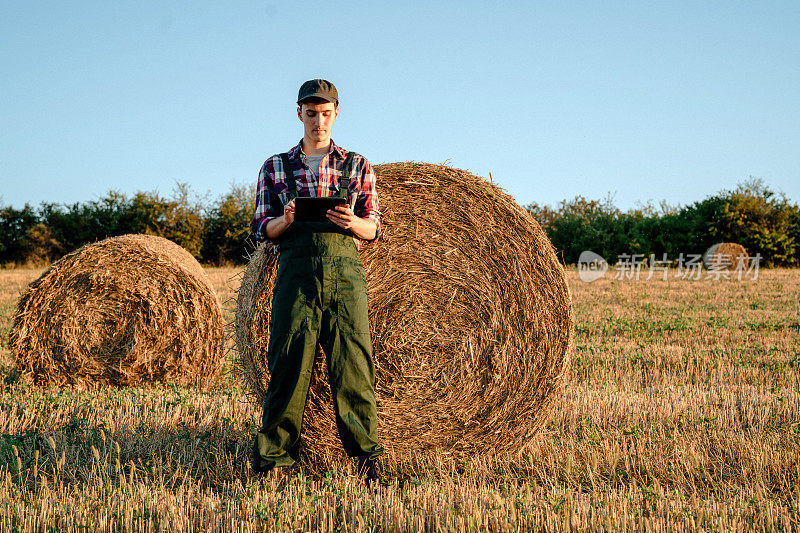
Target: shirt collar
{"x":297,"y":151}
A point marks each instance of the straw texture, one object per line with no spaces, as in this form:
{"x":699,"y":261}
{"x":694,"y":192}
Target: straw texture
{"x":122,"y":311}
{"x":470,"y":315}
{"x":725,"y":256}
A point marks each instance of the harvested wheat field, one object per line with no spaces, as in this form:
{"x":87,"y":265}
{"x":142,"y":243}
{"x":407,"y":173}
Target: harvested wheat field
{"x":725,"y":256}
{"x":123,"y":311}
{"x":471,"y":331}
{"x":680,"y":412}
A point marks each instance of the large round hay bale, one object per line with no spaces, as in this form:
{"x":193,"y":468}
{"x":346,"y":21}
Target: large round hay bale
{"x":725,"y":256}
{"x":470,"y":316}
{"x":123,"y":311}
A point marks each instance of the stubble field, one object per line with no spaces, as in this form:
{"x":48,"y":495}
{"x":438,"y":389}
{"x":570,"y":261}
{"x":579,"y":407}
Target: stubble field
{"x":681,"y":411}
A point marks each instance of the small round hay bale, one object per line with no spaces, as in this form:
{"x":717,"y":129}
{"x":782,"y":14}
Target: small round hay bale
{"x":470,"y":315}
{"x":123,"y":311}
{"x":725,"y":256}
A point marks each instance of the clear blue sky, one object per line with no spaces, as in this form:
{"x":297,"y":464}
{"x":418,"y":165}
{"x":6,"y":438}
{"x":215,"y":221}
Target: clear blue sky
{"x":645,"y":100}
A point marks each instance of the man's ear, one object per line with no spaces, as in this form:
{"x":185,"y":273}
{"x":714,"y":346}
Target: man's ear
{"x":299,"y":114}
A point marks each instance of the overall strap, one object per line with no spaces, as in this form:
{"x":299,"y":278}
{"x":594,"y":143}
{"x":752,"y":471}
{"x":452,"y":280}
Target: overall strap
{"x":344,"y":181}
{"x":291,"y":184}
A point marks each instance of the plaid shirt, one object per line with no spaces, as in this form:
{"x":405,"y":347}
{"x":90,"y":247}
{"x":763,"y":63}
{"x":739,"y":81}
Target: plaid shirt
{"x":272,"y":190}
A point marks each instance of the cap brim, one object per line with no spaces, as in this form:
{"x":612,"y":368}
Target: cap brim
{"x":317,"y":95}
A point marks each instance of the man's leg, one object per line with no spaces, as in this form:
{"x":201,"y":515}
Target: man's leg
{"x":292,"y":345}
{"x":345,"y":338}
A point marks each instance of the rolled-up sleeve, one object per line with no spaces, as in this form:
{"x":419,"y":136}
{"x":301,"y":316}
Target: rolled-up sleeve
{"x":268,"y":203}
{"x":367,"y":205}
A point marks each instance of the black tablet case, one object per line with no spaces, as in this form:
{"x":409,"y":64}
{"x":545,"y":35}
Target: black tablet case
{"x":315,"y":209}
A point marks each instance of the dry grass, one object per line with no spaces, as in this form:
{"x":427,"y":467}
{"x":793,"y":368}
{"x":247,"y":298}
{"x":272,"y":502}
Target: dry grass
{"x":680,"y":412}
{"x":123,"y":311}
{"x":471,"y":331}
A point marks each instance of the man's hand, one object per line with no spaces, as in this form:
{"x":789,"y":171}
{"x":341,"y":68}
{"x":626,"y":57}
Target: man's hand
{"x":344,"y":217}
{"x":288,"y":213}
{"x":278,"y":225}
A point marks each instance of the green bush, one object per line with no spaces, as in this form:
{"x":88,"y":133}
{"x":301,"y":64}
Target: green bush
{"x":751,"y":215}
{"x":761,"y":221}
{"x":227,"y":227}
{"x":74,"y":225}
{"x":179,"y":218}
{"x":14,"y":227}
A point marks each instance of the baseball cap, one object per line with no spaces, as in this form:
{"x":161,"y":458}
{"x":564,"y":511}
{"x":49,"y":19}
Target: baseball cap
{"x":318,"y":89}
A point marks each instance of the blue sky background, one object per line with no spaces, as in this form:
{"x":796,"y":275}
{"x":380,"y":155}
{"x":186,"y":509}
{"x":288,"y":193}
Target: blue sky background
{"x":644,"y":100}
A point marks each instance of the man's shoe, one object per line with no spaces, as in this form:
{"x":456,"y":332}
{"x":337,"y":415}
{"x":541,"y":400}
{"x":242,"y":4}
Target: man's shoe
{"x":368,"y":469}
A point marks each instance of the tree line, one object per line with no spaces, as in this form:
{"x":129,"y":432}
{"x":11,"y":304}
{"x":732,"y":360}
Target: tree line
{"x":751,"y":214}
{"x":217,"y":231}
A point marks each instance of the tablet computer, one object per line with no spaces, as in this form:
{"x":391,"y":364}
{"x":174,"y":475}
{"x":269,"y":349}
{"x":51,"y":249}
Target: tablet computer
{"x":315,"y":209}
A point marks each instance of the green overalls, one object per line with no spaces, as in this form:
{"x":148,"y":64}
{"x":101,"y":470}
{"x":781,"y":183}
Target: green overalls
{"x":320,"y":296}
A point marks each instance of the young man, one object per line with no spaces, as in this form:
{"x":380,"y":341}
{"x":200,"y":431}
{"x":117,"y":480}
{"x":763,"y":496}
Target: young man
{"x":320,"y":291}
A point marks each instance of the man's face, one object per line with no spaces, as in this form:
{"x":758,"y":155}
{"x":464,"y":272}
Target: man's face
{"x":318,"y":120}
